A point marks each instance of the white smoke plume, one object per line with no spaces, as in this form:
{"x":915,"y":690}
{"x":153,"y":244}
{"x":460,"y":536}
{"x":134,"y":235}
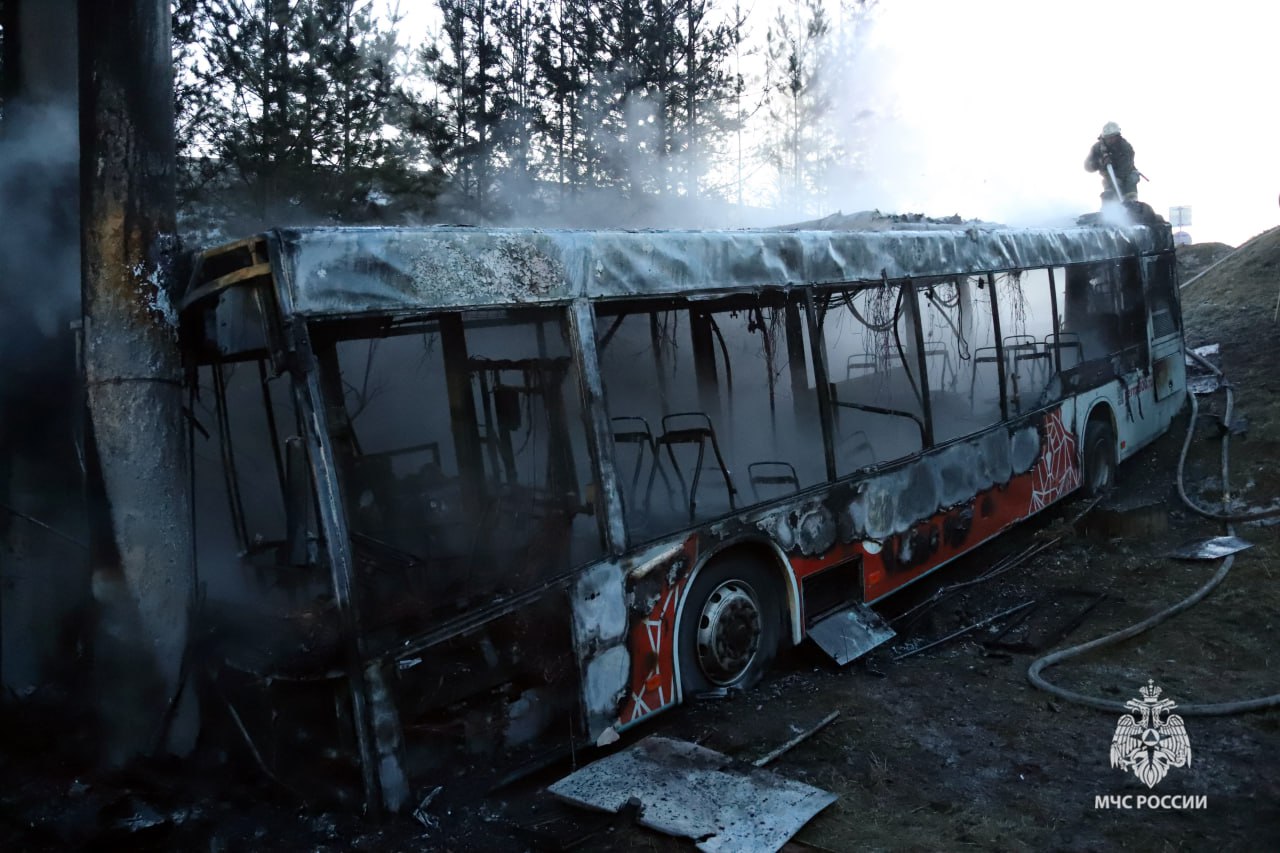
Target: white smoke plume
{"x":43,"y":572}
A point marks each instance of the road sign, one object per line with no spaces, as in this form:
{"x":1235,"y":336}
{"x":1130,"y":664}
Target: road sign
{"x":1180,"y":217}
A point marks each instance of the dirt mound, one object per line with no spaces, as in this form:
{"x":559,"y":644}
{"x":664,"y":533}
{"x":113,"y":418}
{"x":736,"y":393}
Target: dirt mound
{"x":1197,"y":257}
{"x":1234,"y":304}
{"x":1237,"y":294}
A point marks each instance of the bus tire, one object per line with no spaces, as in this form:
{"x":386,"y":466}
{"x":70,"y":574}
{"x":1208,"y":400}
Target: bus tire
{"x":731,"y":626}
{"x":1099,"y":462}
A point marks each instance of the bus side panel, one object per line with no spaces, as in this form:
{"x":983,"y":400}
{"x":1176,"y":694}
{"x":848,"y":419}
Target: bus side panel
{"x":847,"y":522}
{"x":653,"y":596}
{"x":1159,"y":398}
{"x":600,"y":623}
{"x":930,"y":543}
{"x":1141,"y":415}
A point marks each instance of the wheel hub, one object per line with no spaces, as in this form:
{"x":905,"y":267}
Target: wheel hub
{"x":728,"y":632}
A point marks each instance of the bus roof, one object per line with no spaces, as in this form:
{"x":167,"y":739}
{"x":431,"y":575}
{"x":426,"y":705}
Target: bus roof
{"x":341,"y":271}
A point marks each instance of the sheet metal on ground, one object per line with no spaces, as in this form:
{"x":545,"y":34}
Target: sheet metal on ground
{"x":851,"y":633}
{"x":1213,"y":548}
{"x":694,"y":792}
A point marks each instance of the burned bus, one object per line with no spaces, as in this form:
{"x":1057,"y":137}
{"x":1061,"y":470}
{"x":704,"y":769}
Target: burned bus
{"x":511,"y":491}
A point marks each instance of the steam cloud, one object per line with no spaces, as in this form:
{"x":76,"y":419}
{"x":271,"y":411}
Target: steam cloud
{"x":39,"y":296}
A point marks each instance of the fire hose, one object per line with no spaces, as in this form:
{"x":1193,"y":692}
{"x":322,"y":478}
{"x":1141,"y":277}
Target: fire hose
{"x":1202,"y":710}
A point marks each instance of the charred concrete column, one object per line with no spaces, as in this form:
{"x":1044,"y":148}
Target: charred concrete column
{"x":142,"y":545}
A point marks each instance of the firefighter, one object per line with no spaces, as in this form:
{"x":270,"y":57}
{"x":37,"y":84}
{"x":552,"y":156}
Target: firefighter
{"x":1114,"y":150}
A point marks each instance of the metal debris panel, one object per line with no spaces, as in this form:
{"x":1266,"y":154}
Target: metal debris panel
{"x":694,"y":792}
{"x":851,"y":633}
{"x":343,"y":271}
{"x":1213,"y":548}
{"x":1200,"y":379}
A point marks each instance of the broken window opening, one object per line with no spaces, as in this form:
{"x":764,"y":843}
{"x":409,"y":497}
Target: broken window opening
{"x":959,"y":347}
{"x":491,"y":693}
{"x":267,"y":593}
{"x":981,"y":361}
{"x":1106,"y":308}
{"x":255,"y":426}
{"x":461,"y":442}
{"x":1162,"y":296}
{"x":1028,"y":325}
{"x":712,"y":407}
{"x":873,"y":368}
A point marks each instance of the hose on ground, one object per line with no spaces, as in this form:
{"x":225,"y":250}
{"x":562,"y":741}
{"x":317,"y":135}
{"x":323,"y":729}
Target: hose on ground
{"x":1201,"y":710}
{"x":1226,"y":418}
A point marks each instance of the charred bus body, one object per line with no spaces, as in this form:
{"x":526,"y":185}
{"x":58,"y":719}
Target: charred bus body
{"x":504,"y":490}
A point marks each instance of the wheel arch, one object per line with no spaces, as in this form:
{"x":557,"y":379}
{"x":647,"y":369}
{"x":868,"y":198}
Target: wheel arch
{"x":1100,"y":410}
{"x":761,"y":550}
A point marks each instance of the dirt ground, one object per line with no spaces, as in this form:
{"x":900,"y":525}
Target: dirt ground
{"x":948,"y":749}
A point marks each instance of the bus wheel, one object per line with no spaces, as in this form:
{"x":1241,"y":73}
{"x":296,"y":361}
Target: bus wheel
{"x":1099,"y":459}
{"x":731,"y":626}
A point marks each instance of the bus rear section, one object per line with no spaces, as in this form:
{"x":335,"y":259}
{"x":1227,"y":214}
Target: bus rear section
{"x":502,"y":493}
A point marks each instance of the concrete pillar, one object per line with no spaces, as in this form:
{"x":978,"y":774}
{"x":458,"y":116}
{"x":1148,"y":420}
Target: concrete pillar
{"x":141,"y":541}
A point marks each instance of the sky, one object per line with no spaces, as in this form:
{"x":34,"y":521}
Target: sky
{"x":987,"y":108}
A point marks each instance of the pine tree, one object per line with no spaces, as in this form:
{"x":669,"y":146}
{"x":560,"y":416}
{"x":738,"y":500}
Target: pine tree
{"x":635,"y":94}
{"x":627,"y":91}
{"x":298,"y":105}
{"x":807,"y":66}
{"x":709,"y":89}
{"x":848,"y":122}
{"x":799,"y":98}
{"x":465,"y":71}
{"x":521,"y":113}
{"x":567,"y":53}
{"x":742,"y":81}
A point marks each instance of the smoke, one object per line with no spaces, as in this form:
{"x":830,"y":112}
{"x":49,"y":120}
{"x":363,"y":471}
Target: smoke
{"x":989,"y":107}
{"x":918,"y":121}
{"x":39,"y":267}
{"x":39,"y":244}
{"x":922,"y":120}
{"x":936,"y":123}
{"x":39,"y":275}
{"x":39,"y":296}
